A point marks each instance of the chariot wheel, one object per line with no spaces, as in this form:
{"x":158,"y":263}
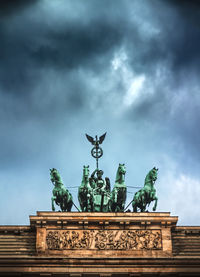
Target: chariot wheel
{"x":97,"y":152}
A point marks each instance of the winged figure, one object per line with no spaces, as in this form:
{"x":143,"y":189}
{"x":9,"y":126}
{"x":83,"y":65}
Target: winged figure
{"x":96,"y":141}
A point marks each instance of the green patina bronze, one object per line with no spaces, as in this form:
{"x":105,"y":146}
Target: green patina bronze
{"x":101,"y":191}
{"x":61,"y":196}
{"x":94,"y":193}
{"x":97,"y":151}
{"x":118,"y":196}
{"x":147,"y":194}
{"x":85,"y":192}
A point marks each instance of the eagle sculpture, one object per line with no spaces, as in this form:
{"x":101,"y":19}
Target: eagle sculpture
{"x":96,"y":141}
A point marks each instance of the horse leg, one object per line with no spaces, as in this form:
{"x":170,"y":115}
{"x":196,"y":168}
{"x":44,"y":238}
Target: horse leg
{"x":115,"y":196}
{"x":142,"y":196}
{"x":69,"y":206}
{"x":65,"y":204}
{"x":112,"y":201}
{"x":53,"y":198}
{"x":110,"y":205}
{"x":134,"y":205}
{"x":155,"y":204}
{"x":88,"y":203}
{"x":121,"y":200}
{"x":118,"y":209}
{"x":63,"y":201}
{"x":62,"y":206}
{"x":70,"y":203}
{"x":142,"y":208}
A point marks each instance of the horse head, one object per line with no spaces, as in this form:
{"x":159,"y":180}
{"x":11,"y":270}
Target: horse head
{"x":121,"y":171}
{"x":154,"y":174}
{"x":85,"y":178}
{"x":55,"y":176}
{"x":86,"y":171}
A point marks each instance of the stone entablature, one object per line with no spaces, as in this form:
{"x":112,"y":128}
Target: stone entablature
{"x":100,"y":244}
{"x":103,"y":234}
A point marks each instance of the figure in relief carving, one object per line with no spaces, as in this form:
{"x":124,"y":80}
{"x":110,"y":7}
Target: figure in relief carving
{"x":147,"y":194}
{"x":61,"y":196}
{"x":104,"y":240}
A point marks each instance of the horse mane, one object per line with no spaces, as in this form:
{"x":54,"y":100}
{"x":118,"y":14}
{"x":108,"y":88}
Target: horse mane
{"x":148,"y":177}
{"x":117,"y":175}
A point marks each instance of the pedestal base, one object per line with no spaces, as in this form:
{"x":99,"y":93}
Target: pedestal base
{"x":104,"y":234}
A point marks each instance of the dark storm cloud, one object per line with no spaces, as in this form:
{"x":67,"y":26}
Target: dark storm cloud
{"x":58,"y":80}
{"x":189,"y":9}
{"x":24,"y":49}
{"x":176,"y":43}
{"x":184,"y":45}
{"x":9,"y":7}
{"x":77,"y":45}
{"x":186,"y":34}
{"x":174,"y":102}
{"x":89,"y":42}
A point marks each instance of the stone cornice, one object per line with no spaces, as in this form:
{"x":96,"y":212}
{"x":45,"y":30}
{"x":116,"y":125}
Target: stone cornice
{"x":140,"y":219}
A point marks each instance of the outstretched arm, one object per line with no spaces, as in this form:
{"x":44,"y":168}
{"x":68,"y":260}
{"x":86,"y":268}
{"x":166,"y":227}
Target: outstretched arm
{"x":93,"y":173}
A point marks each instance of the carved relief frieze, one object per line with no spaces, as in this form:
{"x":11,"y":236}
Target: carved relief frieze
{"x":104,"y":239}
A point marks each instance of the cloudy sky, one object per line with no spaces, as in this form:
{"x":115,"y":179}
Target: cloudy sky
{"x":70,"y":67}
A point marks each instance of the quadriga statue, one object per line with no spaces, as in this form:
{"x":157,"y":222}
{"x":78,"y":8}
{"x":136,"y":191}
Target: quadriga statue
{"x":147,"y":194}
{"x":61,"y":196}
